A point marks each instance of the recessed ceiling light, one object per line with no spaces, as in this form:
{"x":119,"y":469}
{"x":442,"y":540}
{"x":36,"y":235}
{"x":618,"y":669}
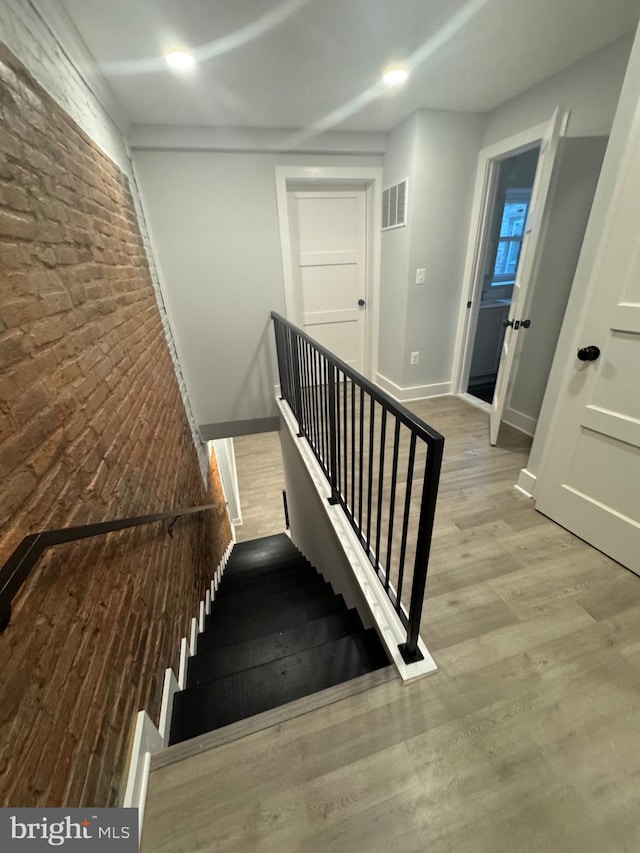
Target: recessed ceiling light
{"x":180,"y":60}
{"x":395,"y":75}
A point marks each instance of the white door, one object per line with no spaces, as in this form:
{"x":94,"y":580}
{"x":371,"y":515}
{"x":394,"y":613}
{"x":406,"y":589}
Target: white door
{"x":590,"y":482}
{"x":526,"y":266}
{"x":328,"y":245}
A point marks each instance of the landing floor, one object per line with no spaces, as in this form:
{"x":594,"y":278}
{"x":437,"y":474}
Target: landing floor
{"x":525,"y":740}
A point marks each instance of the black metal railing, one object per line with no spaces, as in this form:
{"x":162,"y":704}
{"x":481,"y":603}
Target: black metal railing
{"x":18,"y":567}
{"x":382,"y":464}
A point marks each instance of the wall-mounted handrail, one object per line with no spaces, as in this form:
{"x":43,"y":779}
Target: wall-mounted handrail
{"x":336,"y":409}
{"x":18,"y":567}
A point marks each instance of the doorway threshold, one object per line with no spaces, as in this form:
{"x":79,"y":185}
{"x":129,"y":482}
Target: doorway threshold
{"x":475,"y":401}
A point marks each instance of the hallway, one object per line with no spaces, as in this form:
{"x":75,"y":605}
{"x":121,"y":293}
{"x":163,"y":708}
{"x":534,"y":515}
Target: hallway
{"x":525,"y":739}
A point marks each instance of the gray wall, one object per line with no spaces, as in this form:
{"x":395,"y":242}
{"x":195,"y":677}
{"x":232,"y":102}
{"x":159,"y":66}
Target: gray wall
{"x":394,"y":266}
{"x":438,"y":152}
{"x":589,"y":89}
{"x":574,"y":188}
{"x":214,"y":225}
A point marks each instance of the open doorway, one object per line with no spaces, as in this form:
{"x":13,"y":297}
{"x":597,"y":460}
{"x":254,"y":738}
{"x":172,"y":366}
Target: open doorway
{"x":509,"y":209}
{"x":545,"y":255}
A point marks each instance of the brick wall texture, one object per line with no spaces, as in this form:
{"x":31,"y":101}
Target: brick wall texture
{"x":92,"y":427}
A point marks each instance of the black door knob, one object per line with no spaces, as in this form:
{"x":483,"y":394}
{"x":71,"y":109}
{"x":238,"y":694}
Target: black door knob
{"x":361,"y":302}
{"x":507,"y":323}
{"x":525,"y":324}
{"x":588,"y":353}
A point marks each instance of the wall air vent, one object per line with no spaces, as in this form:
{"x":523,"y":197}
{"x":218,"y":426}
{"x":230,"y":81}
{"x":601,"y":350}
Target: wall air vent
{"x":394,"y":206}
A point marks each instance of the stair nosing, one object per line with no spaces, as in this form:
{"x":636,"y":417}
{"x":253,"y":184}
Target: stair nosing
{"x":273,"y":717}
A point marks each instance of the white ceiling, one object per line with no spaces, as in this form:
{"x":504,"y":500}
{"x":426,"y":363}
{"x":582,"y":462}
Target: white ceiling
{"x":317,"y":63}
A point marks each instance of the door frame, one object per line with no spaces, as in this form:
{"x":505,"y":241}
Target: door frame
{"x":489,"y":159}
{"x":367,"y":178}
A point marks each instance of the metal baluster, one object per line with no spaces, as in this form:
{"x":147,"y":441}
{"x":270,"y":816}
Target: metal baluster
{"x":383,"y":436}
{"x":339,"y":441}
{"x":333,"y":430}
{"x":316,"y":413}
{"x":405,"y":521}
{"x":297,"y":399}
{"x":345,"y":483}
{"x":392,"y":503}
{"x":372,"y":418}
{"x":361,"y":463}
{"x":353,"y":449}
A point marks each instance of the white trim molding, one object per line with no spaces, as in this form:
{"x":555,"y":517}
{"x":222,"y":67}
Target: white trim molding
{"x":520,"y":421}
{"x":412,"y":392}
{"x":170,"y":688}
{"x":526,"y":482}
{"x":480,"y":223}
{"x":147,"y":741}
{"x":368,"y":178}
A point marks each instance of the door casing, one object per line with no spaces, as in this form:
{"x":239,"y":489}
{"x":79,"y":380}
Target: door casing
{"x":368,"y":178}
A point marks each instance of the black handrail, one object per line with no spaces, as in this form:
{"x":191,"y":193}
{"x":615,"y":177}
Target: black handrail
{"x":315,"y":384}
{"x":18,"y":567}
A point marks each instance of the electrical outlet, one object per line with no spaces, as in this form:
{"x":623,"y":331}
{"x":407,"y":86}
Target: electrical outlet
{"x":415,"y":358}
{"x":420,"y":274}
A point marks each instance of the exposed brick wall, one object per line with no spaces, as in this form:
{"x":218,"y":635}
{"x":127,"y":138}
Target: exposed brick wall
{"x":91,"y":427}
{"x":59,"y":70}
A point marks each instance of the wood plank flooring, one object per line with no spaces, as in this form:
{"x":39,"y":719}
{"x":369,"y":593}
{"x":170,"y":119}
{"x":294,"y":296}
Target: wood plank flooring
{"x":525,"y":740}
{"x":260,"y":483}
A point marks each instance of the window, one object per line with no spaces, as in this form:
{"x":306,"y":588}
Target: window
{"x":512,"y":224}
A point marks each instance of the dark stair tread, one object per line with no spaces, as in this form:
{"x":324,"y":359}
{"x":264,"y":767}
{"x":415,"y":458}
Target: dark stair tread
{"x":275,"y":541}
{"x":218,"y":703}
{"x":248,"y":607}
{"x":268,"y":593}
{"x":259,"y":575}
{"x":270,"y":550}
{"x":228,"y":631}
{"x":270,"y":582}
{"x":218,"y":662}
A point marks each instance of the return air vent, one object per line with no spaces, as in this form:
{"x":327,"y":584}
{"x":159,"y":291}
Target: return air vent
{"x":394,"y":206}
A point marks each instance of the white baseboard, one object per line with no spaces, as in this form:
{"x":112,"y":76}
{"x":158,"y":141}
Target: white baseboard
{"x":526,"y":482}
{"x":170,"y":688}
{"x":413,"y":392}
{"x":519,"y":421}
{"x":193,"y":637}
{"x":147,"y":740}
{"x":182,"y":670}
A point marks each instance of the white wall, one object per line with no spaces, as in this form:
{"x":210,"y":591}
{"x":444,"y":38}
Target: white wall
{"x":214,"y":224}
{"x":438,"y":152}
{"x":42,"y":37}
{"x":589,"y":89}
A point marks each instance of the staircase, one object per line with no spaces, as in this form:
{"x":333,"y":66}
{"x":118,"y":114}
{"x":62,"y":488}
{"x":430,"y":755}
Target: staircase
{"x":276,"y":632}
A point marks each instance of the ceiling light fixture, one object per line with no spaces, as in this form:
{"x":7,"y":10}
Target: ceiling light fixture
{"x":395,"y":75}
{"x":180,"y":60}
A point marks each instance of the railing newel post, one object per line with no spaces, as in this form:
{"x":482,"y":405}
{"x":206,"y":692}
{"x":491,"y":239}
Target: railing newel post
{"x":409,"y":650}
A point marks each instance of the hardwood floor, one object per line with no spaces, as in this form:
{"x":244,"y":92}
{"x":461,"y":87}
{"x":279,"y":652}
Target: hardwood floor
{"x":525,"y":740}
{"x":260,"y":483}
